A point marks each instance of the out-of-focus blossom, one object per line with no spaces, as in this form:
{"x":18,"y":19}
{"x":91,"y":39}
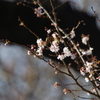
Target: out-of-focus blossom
{"x":85,"y":39}
{"x":87,"y":52}
{"x":38,"y":11}
{"x":54,"y":35}
{"x":66,"y":91}
{"x":73,"y":56}
{"x":98,"y":78}
{"x":29,"y":52}
{"x":54,"y":48}
{"x":56,"y":85}
{"x":83,"y":71}
{"x":88,"y":94}
{"x":66,"y":52}
{"x":93,"y":90}
{"x":55,"y":43}
{"x":91,"y":77}
{"x":40,"y":43}
{"x":49,"y":31}
{"x":33,"y":46}
{"x":86,"y":79}
{"x":40,"y":51}
{"x":72,"y":34}
{"x":61,"y":57}
{"x":88,"y":66}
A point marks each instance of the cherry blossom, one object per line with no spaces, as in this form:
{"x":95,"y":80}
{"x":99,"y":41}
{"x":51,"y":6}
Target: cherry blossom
{"x":38,"y":11}
{"x":66,"y":91}
{"x":56,"y":85}
{"x":88,"y":66}
{"x":29,"y":52}
{"x":88,"y":94}
{"x":86,"y":79}
{"x":93,"y":90}
{"x":72,"y":34}
{"x":49,"y":31}
{"x":98,"y":78}
{"x":62,"y":45}
{"x":66,"y":52}
{"x":87,"y":52}
{"x":40,"y":51}
{"x":54,"y":48}
{"x":55,"y":43}
{"x":91,"y":77}
{"x":54,"y":35}
{"x":83,"y":71}
{"x":85,"y":39}
{"x":61,"y":57}
{"x":40,"y":43}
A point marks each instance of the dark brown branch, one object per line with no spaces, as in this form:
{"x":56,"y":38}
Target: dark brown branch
{"x":87,"y":98}
{"x":95,"y":15}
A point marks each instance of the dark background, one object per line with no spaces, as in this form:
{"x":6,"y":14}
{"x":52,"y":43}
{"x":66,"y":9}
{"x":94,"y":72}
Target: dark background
{"x":10,"y":29}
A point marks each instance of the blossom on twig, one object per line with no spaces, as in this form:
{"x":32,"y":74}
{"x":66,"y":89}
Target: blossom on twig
{"x":56,"y":85}
{"x":40,"y":43}
{"x":85,"y":39}
{"x":72,"y":34}
{"x":38,"y":11}
{"x":66,"y":91}
{"x":61,"y":57}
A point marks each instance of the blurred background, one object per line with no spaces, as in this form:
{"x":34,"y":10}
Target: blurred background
{"x":24,"y":77}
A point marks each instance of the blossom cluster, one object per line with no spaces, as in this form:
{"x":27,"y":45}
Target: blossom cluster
{"x":62,"y":46}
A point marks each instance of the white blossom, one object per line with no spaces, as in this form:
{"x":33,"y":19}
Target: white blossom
{"x":40,"y":43}
{"x":98,"y":78}
{"x":73,"y":56}
{"x":88,"y":66}
{"x":65,"y":49}
{"x":66,"y":52}
{"x":86,"y":79}
{"x":72,"y":34}
{"x":40,"y":51}
{"x":54,"y":35}
{"x":85,"y":40}
{"x":82,"y":72}
{"x":89,"y":63}
{"x":29,"y":52}
{"x":61,"y":57}
{"x":93,"y":90}
{"x":84,"y":52}
{"x":87,"y":52}
{"x":38,"y":11}
{"x":49,"y":31}
{"x":54,"y":48}
{"x":88,"y":94}
{"x":55,"y":43}
{"x":61,"y":40}
{"x":91,"y":77}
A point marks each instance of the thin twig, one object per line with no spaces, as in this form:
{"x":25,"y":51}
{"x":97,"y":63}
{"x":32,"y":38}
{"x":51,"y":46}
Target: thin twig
{"x":22,"y":24}
{"x":95,"y":15}
{"x":86,"y":98}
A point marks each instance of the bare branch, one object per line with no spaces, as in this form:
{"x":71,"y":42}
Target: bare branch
{"x":95,"y":15}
